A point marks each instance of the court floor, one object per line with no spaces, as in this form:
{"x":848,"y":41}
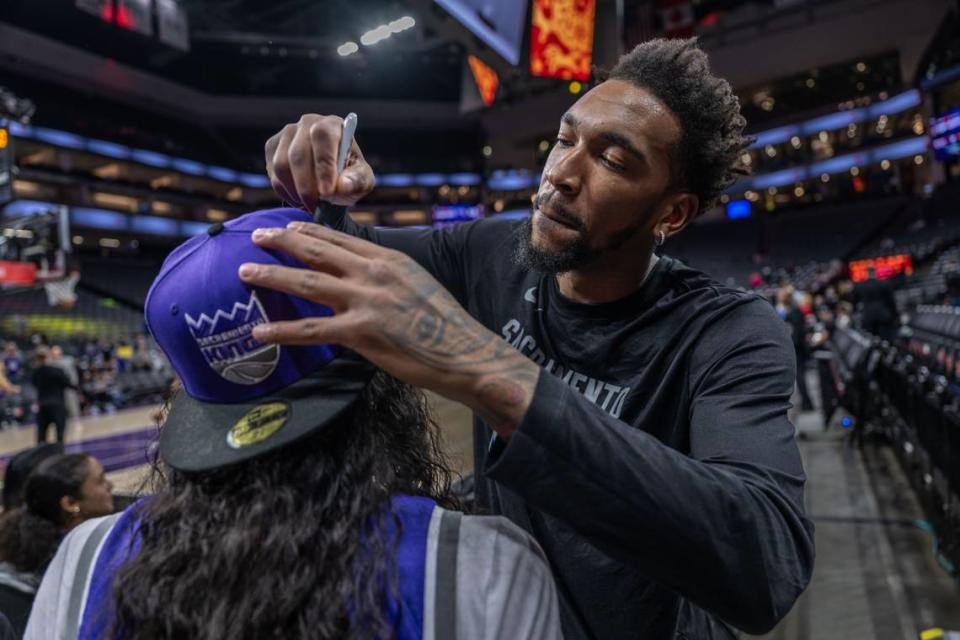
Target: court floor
{"x":121,"y":441}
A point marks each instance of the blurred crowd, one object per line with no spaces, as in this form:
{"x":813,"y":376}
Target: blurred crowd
{"x":94,"y":367}
{"x":833,"y":302}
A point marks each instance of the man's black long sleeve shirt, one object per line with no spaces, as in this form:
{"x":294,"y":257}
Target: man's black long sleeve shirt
{"x":656,"y":465}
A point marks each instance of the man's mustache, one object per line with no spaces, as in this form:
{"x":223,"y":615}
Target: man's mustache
{"x":558,"y":210}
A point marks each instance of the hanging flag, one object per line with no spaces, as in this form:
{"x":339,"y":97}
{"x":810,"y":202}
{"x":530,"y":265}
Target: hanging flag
{"x":486,"y":79}
{"x":561,"y":38}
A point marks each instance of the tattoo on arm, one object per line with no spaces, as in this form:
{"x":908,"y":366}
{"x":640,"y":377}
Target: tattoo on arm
{"x":441,"y":334}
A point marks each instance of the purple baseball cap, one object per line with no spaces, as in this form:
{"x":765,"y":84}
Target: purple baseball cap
{"x":241,"y":398}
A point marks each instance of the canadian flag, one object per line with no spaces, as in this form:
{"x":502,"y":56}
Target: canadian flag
{"x":677,"y":18}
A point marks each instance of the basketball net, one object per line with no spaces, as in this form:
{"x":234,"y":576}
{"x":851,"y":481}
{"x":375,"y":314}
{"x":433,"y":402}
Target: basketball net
{"x":62,"y":292}
{"x":61,"y":287}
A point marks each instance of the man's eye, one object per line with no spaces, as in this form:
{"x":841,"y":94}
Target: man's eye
{"x":616,"y":166}
{"x":562,"y":142}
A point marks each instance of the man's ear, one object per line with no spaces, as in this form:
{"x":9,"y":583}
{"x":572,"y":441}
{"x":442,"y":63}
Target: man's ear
{"x":678,"y":211}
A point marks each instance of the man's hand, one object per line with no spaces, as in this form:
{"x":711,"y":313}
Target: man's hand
{"x":395,"y":314}
{"x":302,"y":164}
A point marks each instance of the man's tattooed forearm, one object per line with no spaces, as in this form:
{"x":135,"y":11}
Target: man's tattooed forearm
{"x":441,"y":335}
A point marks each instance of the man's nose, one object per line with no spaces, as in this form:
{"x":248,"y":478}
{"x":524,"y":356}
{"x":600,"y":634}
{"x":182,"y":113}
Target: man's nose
{"x":564,"y":173}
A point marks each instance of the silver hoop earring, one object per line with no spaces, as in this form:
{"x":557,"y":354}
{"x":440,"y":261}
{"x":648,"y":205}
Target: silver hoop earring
{"x":661,"y":238}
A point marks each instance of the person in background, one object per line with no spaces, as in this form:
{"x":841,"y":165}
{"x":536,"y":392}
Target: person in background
{"x":61,"y":493}
{"x":124,"y":355}
{"x":12,"y":361}
{"x":844,"y":318}
{"x":69,"y":365}
{"x":51,"y":383}
{"x":878,"y":308}
{"x":106,"y":356}
{"x":6,"y":386}
{"x":18,"y":470}
{"x":788,"y":310}
{"x":142,"y":354}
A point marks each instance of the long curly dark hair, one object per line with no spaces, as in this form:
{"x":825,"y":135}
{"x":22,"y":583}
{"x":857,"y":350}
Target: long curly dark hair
{"x":30,"y":534}
{"x":293,"y":544}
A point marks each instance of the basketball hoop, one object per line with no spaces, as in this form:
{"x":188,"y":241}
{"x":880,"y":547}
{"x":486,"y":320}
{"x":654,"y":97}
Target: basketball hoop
{"x":62,"y":292}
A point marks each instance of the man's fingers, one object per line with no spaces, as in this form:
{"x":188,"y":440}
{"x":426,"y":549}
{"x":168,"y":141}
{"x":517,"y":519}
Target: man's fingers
{"x":304,"y":283}
{"x":269,"y":149}
{"x":302,"y":164}
{"x":356,"y":180}
{"x":315,"y":252}
{"x":300,"y":156}
{"x":354,"y":245}
{"x":324,"y":135}
{"x":278,"y":167}
{"x":285,"y":195}
{"x":308,"y":331}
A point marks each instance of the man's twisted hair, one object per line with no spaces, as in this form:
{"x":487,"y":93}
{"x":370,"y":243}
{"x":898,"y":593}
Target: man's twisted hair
{"x":298,"y":543}
{"x":677,"y":73}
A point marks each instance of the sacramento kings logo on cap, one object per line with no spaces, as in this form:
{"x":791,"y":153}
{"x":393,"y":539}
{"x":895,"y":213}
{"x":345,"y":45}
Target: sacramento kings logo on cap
{"x":227,"y":343}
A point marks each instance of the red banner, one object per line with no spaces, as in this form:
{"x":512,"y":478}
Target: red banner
{"x":561,"y":38}
{"x":17,"y":273}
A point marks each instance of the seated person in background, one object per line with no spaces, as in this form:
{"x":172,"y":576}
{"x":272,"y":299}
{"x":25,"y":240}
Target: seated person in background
{"x":62,"y":492}
{"x":19,"y":467}
{"x":305,"y":494}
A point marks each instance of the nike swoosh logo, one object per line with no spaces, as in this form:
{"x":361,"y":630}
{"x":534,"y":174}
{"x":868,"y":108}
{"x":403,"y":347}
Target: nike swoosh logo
{"x":531,"y":295}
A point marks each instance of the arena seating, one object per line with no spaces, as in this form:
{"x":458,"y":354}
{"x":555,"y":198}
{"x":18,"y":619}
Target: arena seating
{"x":928,"y":283}
{"x":927,"y":228}
{"x":724,"y":249}
{"x":127,"y":281}
{"x":909,"y":394}
{"x":798,"y":245}
{"x":821,"y":234}
{"x":26,"y":312}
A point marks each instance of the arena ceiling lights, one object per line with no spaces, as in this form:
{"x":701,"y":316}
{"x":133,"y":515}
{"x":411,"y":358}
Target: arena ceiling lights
{"x":832,"y":121}
{"x":376,"y":35}
{"x":839,"y":164}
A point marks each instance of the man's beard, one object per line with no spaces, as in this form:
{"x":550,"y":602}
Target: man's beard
{"x":575,"y":255}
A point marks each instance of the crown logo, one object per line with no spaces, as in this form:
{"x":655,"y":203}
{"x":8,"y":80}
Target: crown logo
{"x":227,"y":343}
{"x":205,"y":325}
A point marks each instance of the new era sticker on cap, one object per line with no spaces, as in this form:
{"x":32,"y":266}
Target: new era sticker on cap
{"x":258,"y":424}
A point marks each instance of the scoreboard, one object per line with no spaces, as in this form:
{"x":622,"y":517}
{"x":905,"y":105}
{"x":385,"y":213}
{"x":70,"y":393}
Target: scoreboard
{"x":883,"y":267}
{"x":6,"y":165}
